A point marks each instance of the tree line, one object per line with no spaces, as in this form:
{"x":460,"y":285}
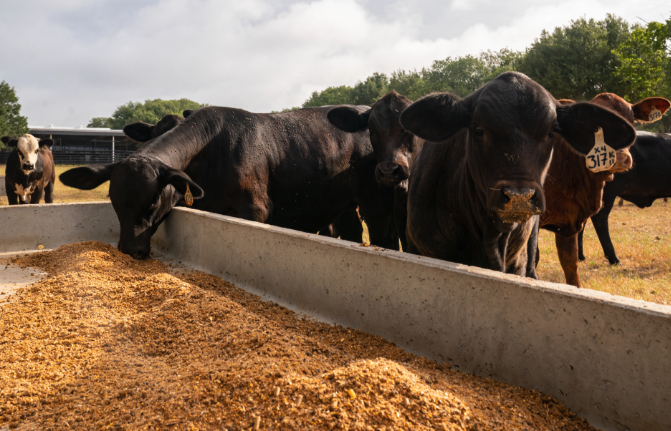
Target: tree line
{"x":578,"y":61}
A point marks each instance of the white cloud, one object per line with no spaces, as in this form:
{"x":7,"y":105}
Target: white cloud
{"x":79,"y":59}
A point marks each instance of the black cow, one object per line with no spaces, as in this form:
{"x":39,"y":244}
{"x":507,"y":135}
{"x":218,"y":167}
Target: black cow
{"x":475,"y":198}
{"x":395,"y":149}
{"x":30,"y":170}
{"x":649,"y":179}
{"x":291,"y":169}
{"x":142,"y":132}
{"x":347,"y":225}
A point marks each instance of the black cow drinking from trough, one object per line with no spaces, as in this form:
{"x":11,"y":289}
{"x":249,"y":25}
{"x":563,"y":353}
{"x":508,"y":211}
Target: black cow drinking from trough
{"x":475,"y":198}
{"x":30,"y":170}
{"x":395,"y":149}
{"x":292,"y":169}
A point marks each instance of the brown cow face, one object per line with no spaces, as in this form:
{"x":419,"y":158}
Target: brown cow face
{"x":395,"y":149}
{"x":509,"y":128}
{"x":646,"y":111}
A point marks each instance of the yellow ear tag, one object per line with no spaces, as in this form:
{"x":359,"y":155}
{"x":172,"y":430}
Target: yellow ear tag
{"x":188,"y":197}
{"x":602,"y":157}
{"x":654,"y":115}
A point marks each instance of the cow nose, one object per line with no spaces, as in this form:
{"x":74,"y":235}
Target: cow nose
{"x":28,"y":166}
{"x":518,"y":204}
{"x":390,"y":172}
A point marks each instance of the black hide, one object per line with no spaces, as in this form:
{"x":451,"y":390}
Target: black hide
{"x":292,"y":169}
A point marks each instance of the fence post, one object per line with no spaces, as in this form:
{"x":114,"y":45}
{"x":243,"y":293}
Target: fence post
{"x":112,"y":148}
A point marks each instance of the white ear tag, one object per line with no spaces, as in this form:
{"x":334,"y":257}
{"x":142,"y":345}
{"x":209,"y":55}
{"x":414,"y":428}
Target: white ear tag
{"x":654,"y":115}
{"x":602,"y":157}
{"x":188,"y":197}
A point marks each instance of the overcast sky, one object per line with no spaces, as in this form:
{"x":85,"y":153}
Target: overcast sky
{"x":71,"y":60}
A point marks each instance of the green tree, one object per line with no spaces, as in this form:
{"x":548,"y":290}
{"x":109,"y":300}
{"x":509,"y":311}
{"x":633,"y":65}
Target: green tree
{"x":11,"y":121}
{"x":367,"y":92}
{"x":643,"y":57}
{"x":409,"y":84}
{"x":577,"y":61}
{"x":151,"y":111}
{"x":331,"y":96}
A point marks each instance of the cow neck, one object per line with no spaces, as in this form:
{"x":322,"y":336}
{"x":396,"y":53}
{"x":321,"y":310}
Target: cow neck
{"x":569,"y":179}
{"x":178,"y":147}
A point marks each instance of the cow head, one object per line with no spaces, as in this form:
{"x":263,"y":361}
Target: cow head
{"x":143,"y":132}
{"x":395,"y":149}
{"x":142,"y":190}
{"x":510,"y":126}
{"x":646,"y":111}
{"x":28,"y":149}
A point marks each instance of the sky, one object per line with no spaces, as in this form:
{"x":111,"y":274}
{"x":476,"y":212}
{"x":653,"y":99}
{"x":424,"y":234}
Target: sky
{"x":72,"y":60}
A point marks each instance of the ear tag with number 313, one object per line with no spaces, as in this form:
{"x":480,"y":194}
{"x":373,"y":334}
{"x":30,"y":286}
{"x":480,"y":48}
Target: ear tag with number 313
{"x":602,"y":157}
{"x":188,"y":197}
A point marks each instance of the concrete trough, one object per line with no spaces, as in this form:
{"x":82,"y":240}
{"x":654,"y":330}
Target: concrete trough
{"x":608,"y":358}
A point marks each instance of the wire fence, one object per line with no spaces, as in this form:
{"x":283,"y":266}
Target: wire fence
{"x":79,"y":157}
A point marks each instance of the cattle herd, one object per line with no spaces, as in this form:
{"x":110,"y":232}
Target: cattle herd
{"x":466,"y":180}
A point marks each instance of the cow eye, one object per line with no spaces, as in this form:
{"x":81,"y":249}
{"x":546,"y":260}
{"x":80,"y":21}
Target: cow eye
{"x":36,"y":151}
{"x":479,"y":132}
{"x":551,"y":135}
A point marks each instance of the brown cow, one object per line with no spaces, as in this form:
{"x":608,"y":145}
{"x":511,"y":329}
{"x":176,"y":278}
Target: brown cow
{"x":30,"y":170}
{"x":574,"y":192}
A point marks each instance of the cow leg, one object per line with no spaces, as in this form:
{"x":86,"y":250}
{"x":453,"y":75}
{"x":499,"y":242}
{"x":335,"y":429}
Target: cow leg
{"x":600,"y":222}
{"x":581,"y":252}
{"x":401,"y":214}
{"x":533,"y":256}
{"x":349,"y":226}
{"x":12,"y":198}
{"x":567,"y":248}
{"x":49,"y":193}
{"x":36,"y":196}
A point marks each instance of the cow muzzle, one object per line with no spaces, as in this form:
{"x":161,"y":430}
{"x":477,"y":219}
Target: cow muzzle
{"x":623,"y":162}
{"x":516,"y":203}
{"x":27,"y":166}
{"x":391,"y":173}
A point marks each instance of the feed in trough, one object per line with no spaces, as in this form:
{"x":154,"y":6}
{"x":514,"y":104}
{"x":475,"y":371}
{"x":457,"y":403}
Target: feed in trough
{"x":109,"y":342}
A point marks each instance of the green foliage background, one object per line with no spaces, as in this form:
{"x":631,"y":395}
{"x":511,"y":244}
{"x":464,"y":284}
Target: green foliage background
{"x":11,"y":121}
{"x":151,"y":111}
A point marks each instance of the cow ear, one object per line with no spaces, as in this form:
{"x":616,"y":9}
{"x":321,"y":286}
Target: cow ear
{"x":436,"y":117}
{"x":179,"y":180}
{"x":7,"y":140}
{"x":47,"y":142}
{"x":646,"y":109}
{"x":564,"y":102}
{"x":349,"y":119}
{"x":579,"y":122}
{"x":87,"y":177}
{"x":139,"y":131}
{"x":187,"y":112}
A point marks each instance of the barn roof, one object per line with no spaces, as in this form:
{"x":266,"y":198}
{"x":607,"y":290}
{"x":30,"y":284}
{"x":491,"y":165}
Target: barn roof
{"x":81,"y":131}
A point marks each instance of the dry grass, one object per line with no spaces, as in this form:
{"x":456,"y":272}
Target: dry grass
{"x":64,"y":194}
{"x":642,"y":239}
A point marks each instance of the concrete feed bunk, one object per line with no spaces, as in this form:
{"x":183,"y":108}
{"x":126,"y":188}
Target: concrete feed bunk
{"x":605,"y":357}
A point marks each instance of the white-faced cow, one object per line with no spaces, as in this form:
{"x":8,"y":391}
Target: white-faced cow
{"x":395,"y":149}
{"x":292,"y":169}
{"x":476,"y":189}
{"x":30,"y":170}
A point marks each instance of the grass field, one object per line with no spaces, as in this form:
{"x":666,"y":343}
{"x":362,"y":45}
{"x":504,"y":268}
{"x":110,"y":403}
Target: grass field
{"x":642,"y":240}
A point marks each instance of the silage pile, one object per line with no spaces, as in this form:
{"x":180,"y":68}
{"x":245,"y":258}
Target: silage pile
{"x":109,"y":342}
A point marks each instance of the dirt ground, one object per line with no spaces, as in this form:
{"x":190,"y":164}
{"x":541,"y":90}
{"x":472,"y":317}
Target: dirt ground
{"x":109,"y":342}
